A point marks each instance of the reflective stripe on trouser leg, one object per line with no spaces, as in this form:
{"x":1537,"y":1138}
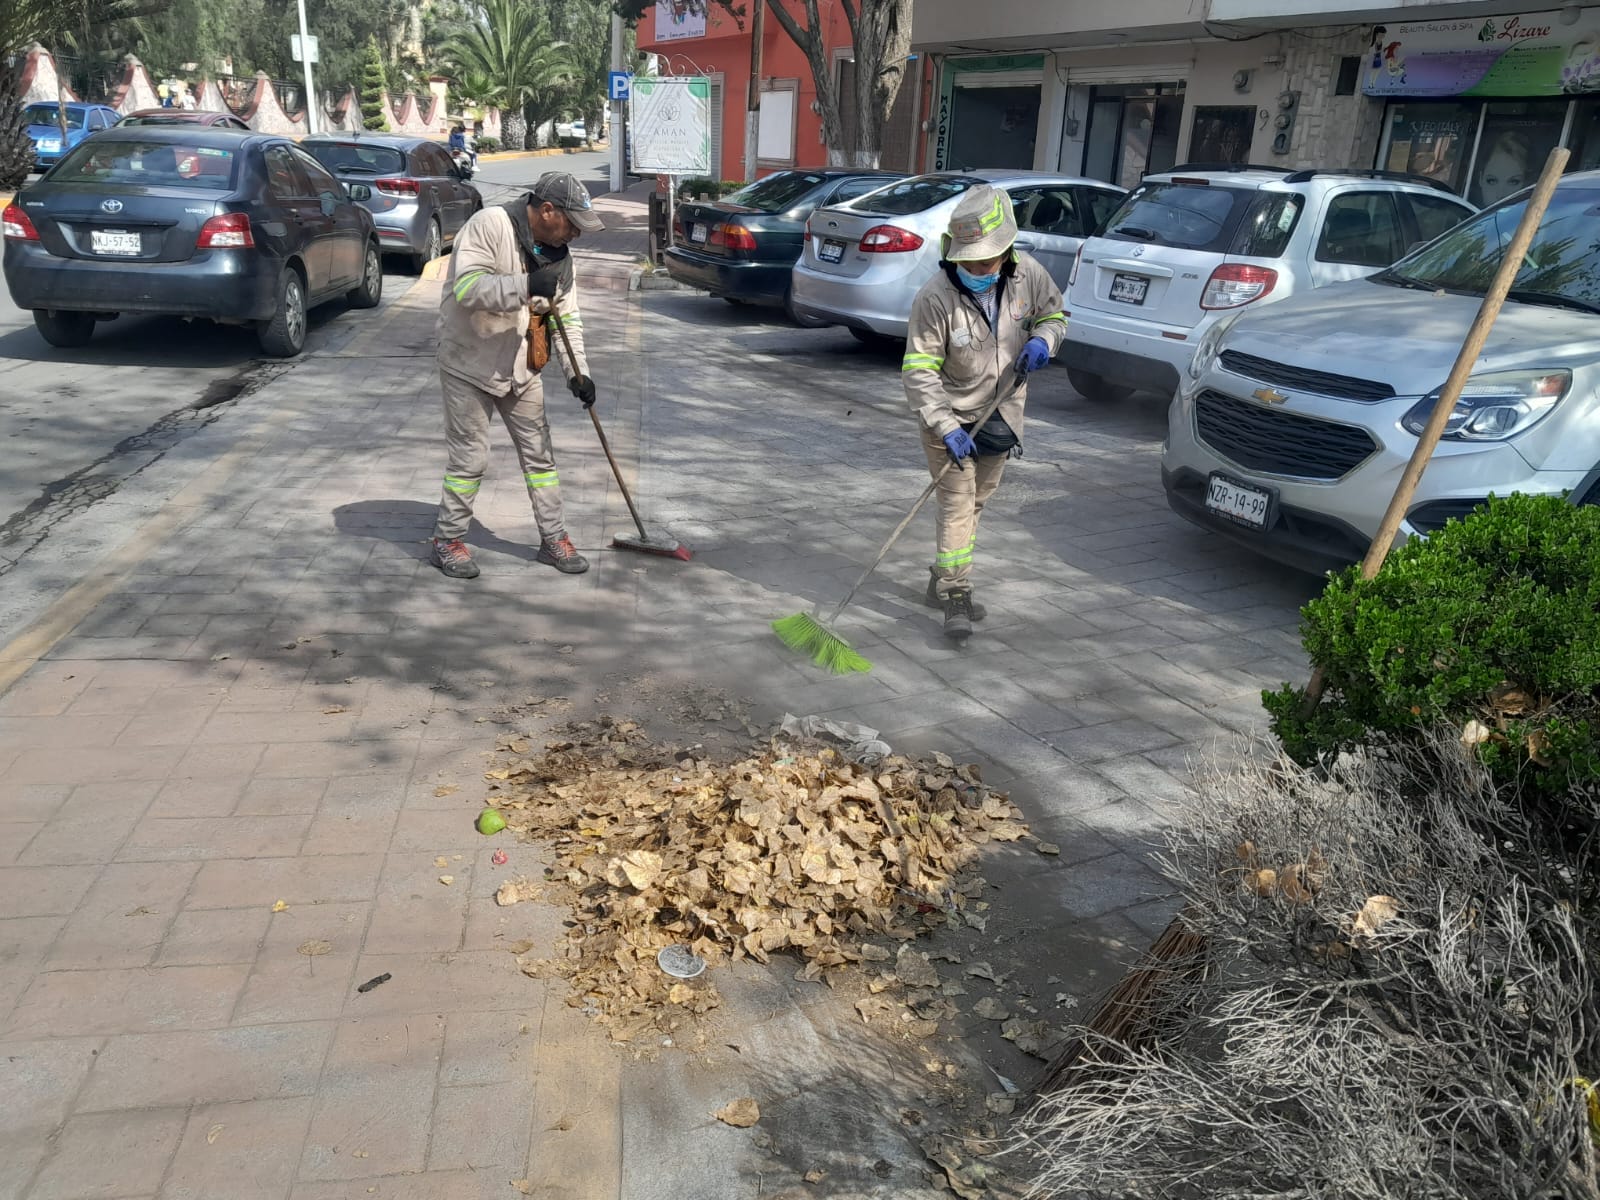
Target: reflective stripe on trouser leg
{"x":961,"y":497}
{"x":466,"y":432}
{"x":523,"y":414}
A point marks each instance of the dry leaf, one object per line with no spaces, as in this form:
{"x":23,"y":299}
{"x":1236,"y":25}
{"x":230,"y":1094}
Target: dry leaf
{"x":1377,"y":912}
{"x":815,"y":1175}
{"x":1539,"y":747}
{"x":1475,"y":732}
{"x":523,"y":1186}
{"x":1263,"y":882}
{"x":741,"y":1113}
{"x":447,"y":880}
{"x":213,"y":1134}
{"x":515,"y":891}
{"x":1049,"y":848}
{"x":334,"y":710}
{"x":279,"y":906}
{"x":447,"y":789}
{"x":990,"y":1009}
{"x":314,"y":948}
{"x":441,"y":861}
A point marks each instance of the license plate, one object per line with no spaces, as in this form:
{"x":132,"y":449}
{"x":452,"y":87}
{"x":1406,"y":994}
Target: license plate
{"x":113,"y":241}
{"x":1247,"y":505}
{"x":49,"y":145}
{"x":832,"y":251}
{"x":697,"y":233}
{"x":1129,"y":289}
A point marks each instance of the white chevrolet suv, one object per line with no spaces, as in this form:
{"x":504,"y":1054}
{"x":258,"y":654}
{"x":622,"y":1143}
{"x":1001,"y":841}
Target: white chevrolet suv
{"x":1193,"y":244}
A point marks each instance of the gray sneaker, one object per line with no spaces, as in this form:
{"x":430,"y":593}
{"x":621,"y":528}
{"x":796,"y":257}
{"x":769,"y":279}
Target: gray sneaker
{"x":933,"y":600}
{"x":958,"y":615}
{"x":453,"y":558}
{"x":563,"y":556}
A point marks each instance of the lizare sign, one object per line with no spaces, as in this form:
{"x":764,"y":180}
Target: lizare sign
{"x":670,"y":121}
{"x":1527,"y":54}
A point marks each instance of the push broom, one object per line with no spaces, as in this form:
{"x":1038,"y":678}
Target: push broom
{"x":1131,"y":1014}
{"x":810,"y":635}
{"x":643,"y":542}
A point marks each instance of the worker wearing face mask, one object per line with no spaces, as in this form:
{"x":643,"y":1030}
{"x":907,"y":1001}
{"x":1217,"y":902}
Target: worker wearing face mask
{"x":990,"y":313}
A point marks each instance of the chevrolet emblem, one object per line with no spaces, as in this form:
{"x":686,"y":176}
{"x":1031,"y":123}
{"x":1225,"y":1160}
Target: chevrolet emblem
{"x":1268,"y":396}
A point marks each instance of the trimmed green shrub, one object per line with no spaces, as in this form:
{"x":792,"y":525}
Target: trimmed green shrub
{"x":1494,"y":619}
{"x":374,"y":83}
{"x":487,"y":145}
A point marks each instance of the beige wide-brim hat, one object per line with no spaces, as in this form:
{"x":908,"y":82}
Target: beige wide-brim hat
{"x":984,"y":225}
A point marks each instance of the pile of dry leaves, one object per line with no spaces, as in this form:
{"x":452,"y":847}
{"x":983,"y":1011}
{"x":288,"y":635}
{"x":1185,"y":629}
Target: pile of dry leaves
{"x":793,"y":848}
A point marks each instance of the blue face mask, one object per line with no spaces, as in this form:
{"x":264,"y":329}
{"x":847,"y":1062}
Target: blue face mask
{"x":978,"y":283}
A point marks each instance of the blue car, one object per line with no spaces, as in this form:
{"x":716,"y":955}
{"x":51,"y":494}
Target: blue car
{"x":44,"y":127}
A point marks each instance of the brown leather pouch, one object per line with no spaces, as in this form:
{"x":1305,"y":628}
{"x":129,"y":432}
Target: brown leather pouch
{"x":538,"y":341}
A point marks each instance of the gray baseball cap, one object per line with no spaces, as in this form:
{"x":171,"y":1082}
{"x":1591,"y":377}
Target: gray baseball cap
{"x":570,"y":196}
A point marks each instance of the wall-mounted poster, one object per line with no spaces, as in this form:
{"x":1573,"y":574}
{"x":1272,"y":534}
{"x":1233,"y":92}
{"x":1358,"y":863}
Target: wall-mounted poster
{"x":677,"y":19}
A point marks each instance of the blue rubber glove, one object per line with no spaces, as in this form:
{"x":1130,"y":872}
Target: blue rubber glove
{"x":960,"y":445}
{"x":1034,"y":355}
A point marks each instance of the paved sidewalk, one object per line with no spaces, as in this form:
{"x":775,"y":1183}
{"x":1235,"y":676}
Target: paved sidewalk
{"x":231,"y":789}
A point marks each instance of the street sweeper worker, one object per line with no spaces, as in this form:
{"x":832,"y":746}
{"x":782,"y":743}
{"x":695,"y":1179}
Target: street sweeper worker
{"x":510,"y":266}
{"x":989,"y":315}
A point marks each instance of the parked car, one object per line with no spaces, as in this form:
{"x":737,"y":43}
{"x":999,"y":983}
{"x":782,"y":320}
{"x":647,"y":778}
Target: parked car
{"x":864,"y":260}
{"x":1192,"y":244}
{"x":44,"y":127}
{"x":419,"y":200}
{"x":1295,"y":421}
{"x":743,"y":247}
{"x":245,"y":229}
{"x":184,"y":116}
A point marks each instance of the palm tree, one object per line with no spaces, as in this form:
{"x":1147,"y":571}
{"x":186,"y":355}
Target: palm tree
{"x":511,"y":48}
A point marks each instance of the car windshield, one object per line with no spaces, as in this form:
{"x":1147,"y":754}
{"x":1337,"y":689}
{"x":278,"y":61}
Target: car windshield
{"x":775,"y":193}
{"x":352,"y":158}
{"x":1188,"y":216}
{"x":48,"y":114}
{"x":1561,"y":269}
{"x":164,"y":164}
{"x":913,"y":195}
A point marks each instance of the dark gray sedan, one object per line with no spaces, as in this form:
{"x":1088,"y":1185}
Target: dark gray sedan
{"x":240,"y":228}
{"x":419,"y":200}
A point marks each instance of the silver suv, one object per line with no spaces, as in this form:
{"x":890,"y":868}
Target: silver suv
{"x":1294,"y":422}
{"x":1193,"y":244}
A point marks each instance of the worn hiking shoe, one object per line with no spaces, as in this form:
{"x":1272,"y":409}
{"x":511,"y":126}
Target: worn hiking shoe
{"x":979,"y":612}
{"x":453,"y":558}
{"x":563,"y":556}
{"x":958,"y":615}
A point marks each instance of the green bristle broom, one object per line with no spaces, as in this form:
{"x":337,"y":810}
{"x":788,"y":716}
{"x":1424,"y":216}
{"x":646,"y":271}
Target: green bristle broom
{"x":809,"y":634}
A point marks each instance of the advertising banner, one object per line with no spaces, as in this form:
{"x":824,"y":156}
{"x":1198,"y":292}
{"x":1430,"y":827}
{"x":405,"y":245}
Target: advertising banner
{"x":1529,"y":54}
{"x":670,"y":118}
{"x":676,"y":19}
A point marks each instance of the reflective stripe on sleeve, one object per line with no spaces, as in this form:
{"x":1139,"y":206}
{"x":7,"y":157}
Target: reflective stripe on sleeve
{"x":921,"y":362}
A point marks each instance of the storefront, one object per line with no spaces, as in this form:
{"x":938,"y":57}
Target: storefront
{"x":1479,"y":103}
{"x":988,"y":114}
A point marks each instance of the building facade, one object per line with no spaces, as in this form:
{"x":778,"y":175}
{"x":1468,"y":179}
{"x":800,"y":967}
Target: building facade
{"x":1474,"y":94}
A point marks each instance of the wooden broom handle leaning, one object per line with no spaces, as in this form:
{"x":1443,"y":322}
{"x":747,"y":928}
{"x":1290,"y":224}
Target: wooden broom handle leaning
{"x":1493,"y":300}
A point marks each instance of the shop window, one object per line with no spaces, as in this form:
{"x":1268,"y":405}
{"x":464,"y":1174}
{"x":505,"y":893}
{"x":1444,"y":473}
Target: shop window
{"x":1517,"y":137}
{"x":1432,"y":139}
{"x":1133,"y":131}
{"x":993,"y":127}
{"x":1349,"y":75}
{"x":1585,"y":137}
{"x":1360,"y":229}
{"x":1222,"y":134}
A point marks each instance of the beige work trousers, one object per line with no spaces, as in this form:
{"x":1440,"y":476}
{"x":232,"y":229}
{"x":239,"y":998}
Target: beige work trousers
{"x":961,"y":497}
{"x":467,"y":413}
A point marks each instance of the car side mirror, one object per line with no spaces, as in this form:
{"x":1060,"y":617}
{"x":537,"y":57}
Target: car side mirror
{"x":358,"y":191}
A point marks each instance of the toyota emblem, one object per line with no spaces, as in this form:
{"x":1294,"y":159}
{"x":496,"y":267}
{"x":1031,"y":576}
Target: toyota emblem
{"x":111,"y":206}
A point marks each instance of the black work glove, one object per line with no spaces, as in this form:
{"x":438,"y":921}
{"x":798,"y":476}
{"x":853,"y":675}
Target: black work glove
{"x":582,"y":387}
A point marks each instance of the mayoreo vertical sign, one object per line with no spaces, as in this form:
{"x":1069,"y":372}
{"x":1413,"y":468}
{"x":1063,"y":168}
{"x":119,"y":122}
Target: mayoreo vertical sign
{"x":1529,"y":54}
{"x":670,"y":119}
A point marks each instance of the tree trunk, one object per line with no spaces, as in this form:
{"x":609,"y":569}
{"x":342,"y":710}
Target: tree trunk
{"x":513,"y":130}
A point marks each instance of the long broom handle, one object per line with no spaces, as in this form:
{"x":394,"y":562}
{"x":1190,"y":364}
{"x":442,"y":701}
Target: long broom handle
{"x":1001,"y":394}
{"x":1493,"y":300}
{"x":572,"y":361}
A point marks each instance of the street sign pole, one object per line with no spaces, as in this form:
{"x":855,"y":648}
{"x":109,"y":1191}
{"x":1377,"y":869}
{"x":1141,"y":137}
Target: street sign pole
{"x":619,"y":164}
{"x":305,"y":61}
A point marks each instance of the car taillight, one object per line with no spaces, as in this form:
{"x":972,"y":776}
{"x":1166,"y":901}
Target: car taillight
{"x":398,"y":187}
{"x":889,"y":239}
{"x":1077,"y":258}
{"x":734,"y":237}
{"x":18,"y":228}
{"x":1234,"y":284}
{"x":230,"y":231}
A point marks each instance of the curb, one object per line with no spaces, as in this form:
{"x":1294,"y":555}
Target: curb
{"x":544,"y":152}
{"x":6,"y":198}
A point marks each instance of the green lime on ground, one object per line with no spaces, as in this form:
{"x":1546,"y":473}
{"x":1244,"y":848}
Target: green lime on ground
{"x":490,"y":821}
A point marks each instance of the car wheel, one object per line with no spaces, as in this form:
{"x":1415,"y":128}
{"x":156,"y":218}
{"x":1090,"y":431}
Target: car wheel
{"x":431,"y":248}
{"x":64,"y":329}
{"x":371,"y":290}
{"x":793,"y":315}
{"x":873,"y":341}
{"x":285,"y":335}
{"x":1094,"y":387}
{"x":735,"y":301}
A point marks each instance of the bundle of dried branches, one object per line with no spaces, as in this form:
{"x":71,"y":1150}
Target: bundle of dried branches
{"x":789,"y":849}
{"x":1399,"y":1001}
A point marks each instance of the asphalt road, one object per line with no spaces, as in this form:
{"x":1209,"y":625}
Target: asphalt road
{"x":75,"y":423}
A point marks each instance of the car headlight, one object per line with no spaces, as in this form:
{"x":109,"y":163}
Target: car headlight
{"x":1494,"y":406}
{"x":1205,"y":354}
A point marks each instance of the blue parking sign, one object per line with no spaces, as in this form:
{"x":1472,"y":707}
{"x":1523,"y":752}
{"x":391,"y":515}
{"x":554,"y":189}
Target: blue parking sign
{"x":620,"y":84}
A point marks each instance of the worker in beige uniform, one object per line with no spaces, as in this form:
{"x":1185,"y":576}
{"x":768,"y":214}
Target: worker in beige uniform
{"x":990,"y":314}
{"x":510,"y":275}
